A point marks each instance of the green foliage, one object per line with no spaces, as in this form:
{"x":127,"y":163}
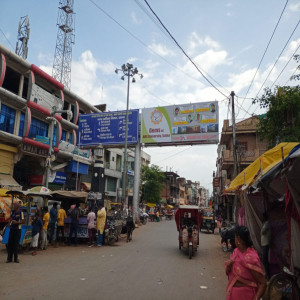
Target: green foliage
{"x":296,"y":76}
{"x":152,"y":183}
{"x":281,"y":123}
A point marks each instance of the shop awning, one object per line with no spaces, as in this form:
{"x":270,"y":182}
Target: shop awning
{"x":8,"y":182}
{"x":86,"y":185}
{"x":260,"y":166}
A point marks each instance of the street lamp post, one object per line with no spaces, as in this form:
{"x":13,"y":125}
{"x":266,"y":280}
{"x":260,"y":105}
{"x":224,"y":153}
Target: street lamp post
{"x":128,"y":71}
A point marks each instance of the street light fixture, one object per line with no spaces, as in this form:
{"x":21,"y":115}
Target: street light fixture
{"x":127,"y":70}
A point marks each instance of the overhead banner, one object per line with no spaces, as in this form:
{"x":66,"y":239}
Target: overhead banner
{"x":195,"y":123}
{"x":108,"y":128}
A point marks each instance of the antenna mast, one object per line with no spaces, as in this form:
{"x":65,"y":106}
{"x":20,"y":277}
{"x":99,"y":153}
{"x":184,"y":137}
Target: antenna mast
{"x":23,"y":37}
{"x":65,"y":38}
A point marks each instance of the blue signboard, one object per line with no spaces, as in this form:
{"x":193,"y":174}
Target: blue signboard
{"x":108,"y":128}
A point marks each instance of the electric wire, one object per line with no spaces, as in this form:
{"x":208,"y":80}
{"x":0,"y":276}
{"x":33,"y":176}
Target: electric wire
{"x":161,"y":28}
{"x":12,"y":47}
{"x":183,"y":51}
{"x":264,"y":53}
{"x":278,"y":58}
{"x":142,"y":43}
{"x":285,"y":66}
{"x":275,"y":62}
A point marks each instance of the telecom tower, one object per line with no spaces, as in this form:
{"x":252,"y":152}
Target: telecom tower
{"x":23,"y":37}
{"x":65,"y":38}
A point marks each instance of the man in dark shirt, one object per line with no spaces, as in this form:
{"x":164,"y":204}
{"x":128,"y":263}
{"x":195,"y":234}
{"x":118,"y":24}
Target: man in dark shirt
{"x":74,"y":224}
{"x":53,"y":219}
{"x":16,"y":220}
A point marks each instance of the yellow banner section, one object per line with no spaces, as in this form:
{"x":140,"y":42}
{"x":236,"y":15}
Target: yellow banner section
{"x":150,"y":204}
{"x":202,"y":109}
{"x":209,"y":121}
{"x":260,"y":166}
{"x":180,"y":123}
{"x":187,"y":111}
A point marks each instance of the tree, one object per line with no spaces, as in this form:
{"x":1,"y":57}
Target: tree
{"x":296,"y":76}
{"x":152,"y":183}
{"x":281,"y":123}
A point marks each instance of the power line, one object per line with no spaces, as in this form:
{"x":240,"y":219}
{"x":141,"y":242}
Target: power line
{"x":12,"y":47}
{"x":275,"y":62}
{"x":141,"y":42}
{"x":285,"y":66}
{"x":278,"y":58}
{"x":161,"y":28}
{"x":264,"y":53}
{"x":184,"y":51}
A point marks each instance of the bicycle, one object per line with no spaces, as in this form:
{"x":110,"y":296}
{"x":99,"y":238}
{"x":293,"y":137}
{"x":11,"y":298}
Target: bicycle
{"x":284,"y":285}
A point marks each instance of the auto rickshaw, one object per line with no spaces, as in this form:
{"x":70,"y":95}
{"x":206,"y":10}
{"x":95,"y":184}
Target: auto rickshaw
{"x":208,"y":220}
{"x":188,"y":220}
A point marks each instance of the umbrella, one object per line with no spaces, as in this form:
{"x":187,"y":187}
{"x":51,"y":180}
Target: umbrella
{"x":39,"y":189}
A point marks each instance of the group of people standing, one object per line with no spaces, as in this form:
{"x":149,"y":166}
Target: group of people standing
{"x":51,"y":224}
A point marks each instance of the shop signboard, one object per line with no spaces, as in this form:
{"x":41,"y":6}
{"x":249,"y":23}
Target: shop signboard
{"x":108,"y":128}
{"x":58,"y":177}
{"x":184,"y":124}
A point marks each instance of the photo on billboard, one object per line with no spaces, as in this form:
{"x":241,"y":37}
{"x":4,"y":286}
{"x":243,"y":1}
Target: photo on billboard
{"x":194,"y":123}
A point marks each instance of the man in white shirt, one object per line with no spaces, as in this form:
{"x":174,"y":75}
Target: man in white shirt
{"x":91,"y":228}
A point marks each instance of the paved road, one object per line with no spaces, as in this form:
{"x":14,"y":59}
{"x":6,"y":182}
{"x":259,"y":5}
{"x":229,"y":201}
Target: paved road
{"x":150,"y":267}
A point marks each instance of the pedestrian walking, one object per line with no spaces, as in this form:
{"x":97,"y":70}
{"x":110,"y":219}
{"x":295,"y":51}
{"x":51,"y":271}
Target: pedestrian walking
{"x":101,"y":218}
{"x":265,"y":240}
{"x":53,"y":220}
{"x":245,"y":276}
{"x":61,"y":216}
{"x":74,"y":224}
{"x":16,"y":220}
{"x":91,"y":217}
{"x":46,"y":219}
{"x":37,"y":225}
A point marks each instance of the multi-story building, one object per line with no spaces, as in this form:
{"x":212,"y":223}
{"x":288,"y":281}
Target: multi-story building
{"x":170,"y":189}
{"x":29,"y":99}
{"x":249,"y":148}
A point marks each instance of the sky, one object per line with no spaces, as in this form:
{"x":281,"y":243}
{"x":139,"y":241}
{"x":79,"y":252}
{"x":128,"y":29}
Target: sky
{"x":233,"y":43}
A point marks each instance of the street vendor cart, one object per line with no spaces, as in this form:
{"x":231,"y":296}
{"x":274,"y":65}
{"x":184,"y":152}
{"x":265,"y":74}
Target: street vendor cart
{"x":188,"y":220}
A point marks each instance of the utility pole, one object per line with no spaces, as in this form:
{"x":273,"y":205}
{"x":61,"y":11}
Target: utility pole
{"x":235,"y":201}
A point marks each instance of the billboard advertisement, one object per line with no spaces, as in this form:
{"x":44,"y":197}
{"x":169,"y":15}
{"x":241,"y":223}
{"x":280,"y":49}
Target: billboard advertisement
{"x":184,"y":124}
{"x":108,"y":128}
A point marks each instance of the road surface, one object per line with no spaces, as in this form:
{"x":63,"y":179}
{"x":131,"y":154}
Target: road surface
{"x":149,"y":267}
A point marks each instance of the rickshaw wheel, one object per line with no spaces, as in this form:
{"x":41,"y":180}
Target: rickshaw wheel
{"x":190,"y":251}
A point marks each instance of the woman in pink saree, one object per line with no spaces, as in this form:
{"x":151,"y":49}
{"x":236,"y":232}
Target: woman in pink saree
{"x":246,"y":279}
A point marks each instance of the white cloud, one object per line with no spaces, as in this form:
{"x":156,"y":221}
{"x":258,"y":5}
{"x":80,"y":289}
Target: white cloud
{"x":161,"y":50}
{"x":195,"y":43}
{"x":135,"y":19}
{"x":294,"y":7}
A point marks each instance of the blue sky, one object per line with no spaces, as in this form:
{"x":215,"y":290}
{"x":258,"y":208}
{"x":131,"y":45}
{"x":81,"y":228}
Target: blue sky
{"x":226,"y":39}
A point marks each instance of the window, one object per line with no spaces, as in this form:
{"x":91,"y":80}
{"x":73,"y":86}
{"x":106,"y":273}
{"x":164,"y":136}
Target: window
{"x":7,"y":119}
{"x":54,"y":136}
{"x":38,"y":128}
{"x":111,"y":184}
{"x":21,"y":127}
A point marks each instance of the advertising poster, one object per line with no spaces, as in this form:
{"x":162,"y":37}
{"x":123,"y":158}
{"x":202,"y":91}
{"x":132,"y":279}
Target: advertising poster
{"x":194,"y":123}
{"x":108,"y":128}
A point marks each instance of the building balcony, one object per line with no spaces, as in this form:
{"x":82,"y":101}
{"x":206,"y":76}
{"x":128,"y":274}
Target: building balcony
{"x":246,"y":157}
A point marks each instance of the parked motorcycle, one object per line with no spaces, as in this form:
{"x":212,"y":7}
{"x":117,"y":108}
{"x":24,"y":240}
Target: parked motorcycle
{"x":144,"y":218}
{"x":110,"y":232}
{"x":228,"y":235}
